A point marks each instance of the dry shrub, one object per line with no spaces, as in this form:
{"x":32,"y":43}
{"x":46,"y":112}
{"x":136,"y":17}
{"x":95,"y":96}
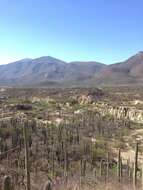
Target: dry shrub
{"x":109,"y":186}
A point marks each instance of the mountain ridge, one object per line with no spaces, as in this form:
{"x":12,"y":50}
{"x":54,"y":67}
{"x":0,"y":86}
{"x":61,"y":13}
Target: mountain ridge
{"x":49,"y":70}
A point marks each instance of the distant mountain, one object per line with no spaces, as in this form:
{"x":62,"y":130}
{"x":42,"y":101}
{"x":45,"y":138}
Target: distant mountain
{"x":49,"y":71}
{"x":127,"y":72}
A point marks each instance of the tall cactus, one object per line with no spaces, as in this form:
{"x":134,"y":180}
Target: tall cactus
{"x":83,"y":167}
{"x":101,"y":167}
{"x":142,"y":175}
{"x":27,"y":168}
{"x":47,"y":186}
{"x":53,"y":162}
{"x":119,"y":166}
{"x":107,"y":167}
{"x":7,"y":183}
{"x":65,"y":162}
{"x":136,"y":165}
{"x":128,"y":168}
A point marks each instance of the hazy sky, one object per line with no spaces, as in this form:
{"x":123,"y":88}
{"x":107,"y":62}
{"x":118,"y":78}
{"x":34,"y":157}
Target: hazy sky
{"x":103,"y":30}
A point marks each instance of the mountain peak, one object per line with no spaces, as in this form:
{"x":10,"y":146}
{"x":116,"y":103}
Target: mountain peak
{"x":49,"y":70}
{"x":48,"y":59}
{"x":140,"y":52}
{"x":135,"y":59}
{"x":26,"y":59}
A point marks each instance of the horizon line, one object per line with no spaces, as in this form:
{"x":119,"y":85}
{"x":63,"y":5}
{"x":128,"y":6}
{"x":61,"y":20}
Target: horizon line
{"x":22,"y":59}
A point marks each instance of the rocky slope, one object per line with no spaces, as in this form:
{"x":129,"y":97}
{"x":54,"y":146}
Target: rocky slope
{"x":127,"y":72}
{"x":49,"y":71}
{"x":121,"y":112}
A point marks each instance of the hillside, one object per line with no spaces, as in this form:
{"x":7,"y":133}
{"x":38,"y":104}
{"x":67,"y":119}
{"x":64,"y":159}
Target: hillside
{"x":45,"y":70}
{"x":49,"y":71}
{"x":127,"y":72}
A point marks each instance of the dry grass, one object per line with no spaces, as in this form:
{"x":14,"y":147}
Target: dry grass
{"x":109,"y":186}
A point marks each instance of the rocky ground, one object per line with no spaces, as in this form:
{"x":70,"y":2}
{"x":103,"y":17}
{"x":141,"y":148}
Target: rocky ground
{"x":108,"y":119}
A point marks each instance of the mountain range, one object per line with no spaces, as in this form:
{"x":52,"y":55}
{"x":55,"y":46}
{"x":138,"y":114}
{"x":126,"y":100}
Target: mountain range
{"x":49,"y":71}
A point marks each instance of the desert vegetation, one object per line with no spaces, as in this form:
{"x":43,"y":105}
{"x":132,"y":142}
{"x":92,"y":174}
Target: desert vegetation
{"x":55,"y":139}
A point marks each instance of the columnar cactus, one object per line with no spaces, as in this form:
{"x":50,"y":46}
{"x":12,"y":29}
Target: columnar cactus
{"x":101,"y":167}
{"x":142,"y":175}
{"x":135,"y":165}
{"x":119,"y":166}
{"x":47,"y":186}
{"x":7,"y":183}
{"x":83,"y":167}
{"x":27,"y":168}
{"x":65,"y":162}
{"x":128,"y":168}
{"x":53,"y":162}
{"x":107,"y":169}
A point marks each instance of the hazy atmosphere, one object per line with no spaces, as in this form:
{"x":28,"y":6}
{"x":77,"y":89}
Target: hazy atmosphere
{"x":71,"y":94}
{"x":72,"y":30}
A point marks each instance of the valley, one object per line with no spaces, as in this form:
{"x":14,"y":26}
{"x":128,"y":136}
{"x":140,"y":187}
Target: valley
{"x":76,"y":137}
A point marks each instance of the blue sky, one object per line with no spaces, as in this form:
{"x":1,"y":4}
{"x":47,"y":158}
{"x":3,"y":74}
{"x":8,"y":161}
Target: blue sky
{"x":103,"y":30}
